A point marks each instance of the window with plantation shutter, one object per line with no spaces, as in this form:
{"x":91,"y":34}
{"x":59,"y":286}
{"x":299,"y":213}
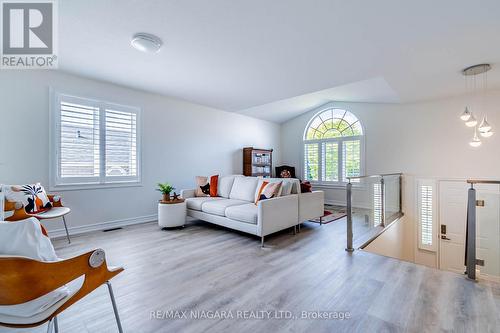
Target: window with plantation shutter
{"x":351,"y":159}
{"x":311,"y":160}
{"x":121,"y":144}
{"x":79,"y":140}
{"x":330,"y":156}
{"x":93,"y":142}
{"x":377,"y":204}
{"x":338,"y":137}
{"x":426,"y":214}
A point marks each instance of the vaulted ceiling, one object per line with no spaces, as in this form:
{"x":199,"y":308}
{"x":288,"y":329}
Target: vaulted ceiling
{"x":263,"y":58}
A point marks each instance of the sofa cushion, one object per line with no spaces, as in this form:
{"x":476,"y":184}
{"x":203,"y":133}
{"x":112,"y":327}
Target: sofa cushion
{"x":195,"y":203}
{"x":243,"y":213}
{"x":244,"y":188}
{"x":218,"y":207}
{"x":225,"y":185}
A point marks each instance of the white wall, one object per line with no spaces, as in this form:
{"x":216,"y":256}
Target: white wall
{"x":422,"y":140}
{"x":179,"y":141}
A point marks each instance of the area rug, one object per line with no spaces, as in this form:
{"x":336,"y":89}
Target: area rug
{"x":332,"y":213}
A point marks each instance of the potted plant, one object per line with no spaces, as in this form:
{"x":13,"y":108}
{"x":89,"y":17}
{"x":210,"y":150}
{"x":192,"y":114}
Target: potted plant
{"x":165,"y":189}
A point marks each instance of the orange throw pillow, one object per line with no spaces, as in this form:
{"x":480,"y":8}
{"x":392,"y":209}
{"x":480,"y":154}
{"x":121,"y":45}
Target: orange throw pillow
{"x":214,"y":181}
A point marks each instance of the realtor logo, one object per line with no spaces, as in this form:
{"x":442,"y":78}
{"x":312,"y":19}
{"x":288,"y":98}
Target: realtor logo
{"x":28,"y":34}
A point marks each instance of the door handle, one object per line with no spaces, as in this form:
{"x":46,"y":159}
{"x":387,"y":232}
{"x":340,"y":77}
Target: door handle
{"x":444,"y":237}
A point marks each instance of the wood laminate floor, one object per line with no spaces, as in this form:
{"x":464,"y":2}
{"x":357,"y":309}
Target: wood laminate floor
{"x":207,"y":268}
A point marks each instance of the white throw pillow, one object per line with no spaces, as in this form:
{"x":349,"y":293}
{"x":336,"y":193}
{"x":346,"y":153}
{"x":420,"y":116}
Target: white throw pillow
{"x":244,"y":188}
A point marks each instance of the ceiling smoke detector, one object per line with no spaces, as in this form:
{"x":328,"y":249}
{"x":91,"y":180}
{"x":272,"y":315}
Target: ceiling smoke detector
{"x":146,"y":43}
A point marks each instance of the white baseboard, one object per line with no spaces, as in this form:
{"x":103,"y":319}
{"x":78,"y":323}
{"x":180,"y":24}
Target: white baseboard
{"x":59,"y":233}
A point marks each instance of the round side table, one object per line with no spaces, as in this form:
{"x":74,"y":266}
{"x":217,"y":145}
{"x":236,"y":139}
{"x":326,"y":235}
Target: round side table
{"x":171,"y":215}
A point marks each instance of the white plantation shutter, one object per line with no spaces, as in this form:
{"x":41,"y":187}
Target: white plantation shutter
{"x":330,"y":161}
{"x":351,"y":159}
{"x":426,"y":214}
{"x":79,"y":156}
{"x":377,"y":204}
{"x":121,"y":143}
{"x":311,"y":161}
{"x":96,"y":142}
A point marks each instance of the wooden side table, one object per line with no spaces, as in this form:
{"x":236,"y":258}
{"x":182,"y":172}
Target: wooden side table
{"x":172,"y":214}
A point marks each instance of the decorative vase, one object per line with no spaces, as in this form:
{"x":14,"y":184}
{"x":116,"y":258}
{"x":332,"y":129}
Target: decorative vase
{"x":166,"y":196}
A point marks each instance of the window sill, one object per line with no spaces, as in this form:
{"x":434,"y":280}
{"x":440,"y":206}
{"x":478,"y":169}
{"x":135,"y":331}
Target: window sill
{"x":92,"y":186}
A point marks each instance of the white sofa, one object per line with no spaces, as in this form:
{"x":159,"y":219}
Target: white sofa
{"x":234,"y":207}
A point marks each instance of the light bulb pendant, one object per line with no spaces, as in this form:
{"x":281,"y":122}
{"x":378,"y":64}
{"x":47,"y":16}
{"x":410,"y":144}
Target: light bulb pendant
{"x":485,"y":126}
{"x":466,"y":114}
{"x":487,"y":134}
{"x":472,"y":121}
{"x":476,"y":142}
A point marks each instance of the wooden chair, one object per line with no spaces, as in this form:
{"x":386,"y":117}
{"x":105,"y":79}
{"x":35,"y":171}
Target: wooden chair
{"x":23,"y":280}
{"x":57,"y":211}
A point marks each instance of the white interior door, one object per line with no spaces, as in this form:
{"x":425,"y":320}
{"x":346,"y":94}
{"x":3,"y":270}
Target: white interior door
{"x":488,"y":230}
{"x":452,"y":225}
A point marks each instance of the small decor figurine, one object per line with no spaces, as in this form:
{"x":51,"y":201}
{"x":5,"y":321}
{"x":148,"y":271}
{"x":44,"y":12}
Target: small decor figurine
{"x":176,"y":197}
{"x":165,"y":189}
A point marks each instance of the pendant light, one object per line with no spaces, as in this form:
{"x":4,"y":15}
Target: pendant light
{"x":471,"y":122}
{"x":484,"y":128}
{"x":466,"y":115}
{"x":476,"y":142}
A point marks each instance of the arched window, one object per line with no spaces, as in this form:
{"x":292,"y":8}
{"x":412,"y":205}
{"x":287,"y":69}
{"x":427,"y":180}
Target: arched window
{"x":333,"y":147}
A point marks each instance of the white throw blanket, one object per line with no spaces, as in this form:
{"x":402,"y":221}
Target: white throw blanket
{"x":24,"y":238}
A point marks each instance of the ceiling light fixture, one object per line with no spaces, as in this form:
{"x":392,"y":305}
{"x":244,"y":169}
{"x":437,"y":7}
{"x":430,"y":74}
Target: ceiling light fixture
{"x":476,"y":142}
{"x":146,"y":43}
{"x":466,"y":115}
{"x":485,"y":126}
{"x":485,"y":129}
{"x":471,"y":122}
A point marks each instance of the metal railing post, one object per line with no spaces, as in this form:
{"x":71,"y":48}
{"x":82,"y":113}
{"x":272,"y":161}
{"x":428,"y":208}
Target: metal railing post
{"x":349,"y":247}
{"x":400,"y":194}
{"x":382,"y":202}
{"x":471,"y":234}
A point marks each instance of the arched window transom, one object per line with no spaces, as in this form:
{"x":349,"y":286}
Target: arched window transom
{"x":333,"y":146}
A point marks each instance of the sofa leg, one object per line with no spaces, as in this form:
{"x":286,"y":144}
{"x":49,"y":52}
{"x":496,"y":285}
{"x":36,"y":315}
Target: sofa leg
{"x":299,"y":226}
{"x":294,"y":230}
{"x":262,"y":241}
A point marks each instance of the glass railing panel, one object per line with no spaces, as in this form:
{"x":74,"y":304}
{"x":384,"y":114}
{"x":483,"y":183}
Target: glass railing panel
{"x":372,"y":203}
{"x":366,"y":209}
{"x":392,"y":198}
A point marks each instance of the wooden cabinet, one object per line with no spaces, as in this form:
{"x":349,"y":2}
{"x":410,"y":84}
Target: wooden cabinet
{"x":257,"y":162}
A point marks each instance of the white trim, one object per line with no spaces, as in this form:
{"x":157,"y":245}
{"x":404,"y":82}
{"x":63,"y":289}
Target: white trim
{"x":61,"y":233}
{"x":58,"y":184}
